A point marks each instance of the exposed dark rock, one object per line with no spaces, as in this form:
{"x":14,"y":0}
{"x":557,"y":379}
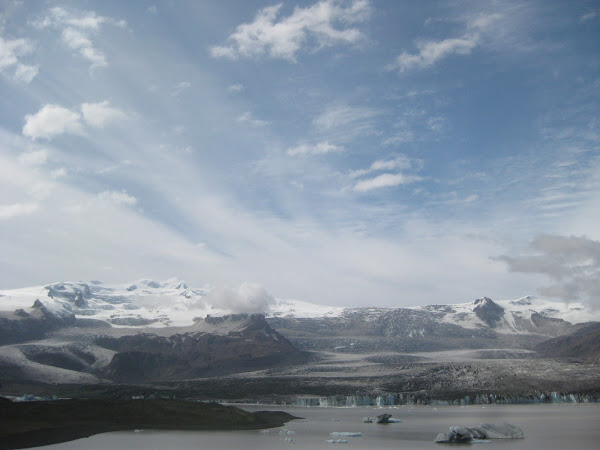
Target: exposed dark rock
{"x":69,"y":291}
{"x":80,"y":302}
{"x":488,"y":311}
{"x":21,"y":313}
{"x":148,"y":357}
{"x":32,"y":324}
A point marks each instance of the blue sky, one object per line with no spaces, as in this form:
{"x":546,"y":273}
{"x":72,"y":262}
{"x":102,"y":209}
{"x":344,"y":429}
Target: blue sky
{"x":342,"y":152}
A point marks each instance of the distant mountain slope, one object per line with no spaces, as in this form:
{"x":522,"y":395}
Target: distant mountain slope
{"x":583,"y":344}
{"x":146,"y":331}
{"x":235,"y":343}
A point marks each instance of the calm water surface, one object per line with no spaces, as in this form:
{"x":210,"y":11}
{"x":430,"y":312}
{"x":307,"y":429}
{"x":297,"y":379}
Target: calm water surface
{"x":546,"y":427}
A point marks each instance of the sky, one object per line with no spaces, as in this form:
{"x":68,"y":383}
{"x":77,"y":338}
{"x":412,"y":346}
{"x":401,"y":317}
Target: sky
{"x":342,"y":152}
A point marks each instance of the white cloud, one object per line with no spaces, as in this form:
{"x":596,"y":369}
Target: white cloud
{"x":100,"y":114}
{"x":235,"y":88}
{"x":26,"y":73}
{"x":283,"y":37}
{"x":35,"y":158}
{"x":337,"y":116}
{"x":384,"y":180}
{"x":430,"y":52}
{"x":117,"y":198}
{"x":248,"y":298}
{"x":588,"y":16}
{"x":343,"y":123}
{"x":17,"y":209}
{"x":58,"y":173}
{"x":51,"y":121}
{"x":78,"y":40}
{"x":572,"y":263}
{"x":316,"y":149}
{"x":249,"y":119}
{"x":436,"y":124}
{"x":180,"y":87}
{"x":77,"y":31}
{"x":152,"y":10}
{"x":400,"y":162}
{"x":11,"y":52}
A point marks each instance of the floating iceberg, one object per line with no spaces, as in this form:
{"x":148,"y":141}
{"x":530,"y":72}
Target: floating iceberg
{"x":384,"y":418}
{"x":482,"y":432}
{"x":345,"y":434}
{"x":337,"y":441}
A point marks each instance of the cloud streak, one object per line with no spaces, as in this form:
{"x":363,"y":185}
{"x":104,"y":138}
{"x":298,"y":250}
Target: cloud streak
{"x":320,"y":148}
{"x":384,"y":180}
{"x":429,"y":52}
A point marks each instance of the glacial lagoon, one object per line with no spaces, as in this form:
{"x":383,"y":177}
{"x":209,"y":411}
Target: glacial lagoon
{"x":548,"y":426}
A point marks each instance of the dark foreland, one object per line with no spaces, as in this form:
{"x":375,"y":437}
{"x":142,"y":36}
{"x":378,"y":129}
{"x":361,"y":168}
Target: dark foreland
{"x":29,"y":424}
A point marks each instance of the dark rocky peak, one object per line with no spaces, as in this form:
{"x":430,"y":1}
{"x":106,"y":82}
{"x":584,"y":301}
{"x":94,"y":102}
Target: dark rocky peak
{"x":488,"y":311}
{"x":80,"y":302}
{"x":483,"y":301}
{"x":38,"y":304}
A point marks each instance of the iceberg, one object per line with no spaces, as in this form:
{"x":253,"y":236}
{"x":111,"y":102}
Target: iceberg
{"x":345,"y":434}
{"x":478,"y":434}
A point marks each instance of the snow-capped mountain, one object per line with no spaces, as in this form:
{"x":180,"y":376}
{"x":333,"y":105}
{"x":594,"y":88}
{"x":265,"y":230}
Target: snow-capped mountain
{"x":156,"y":304}
{"x":75,"y":332}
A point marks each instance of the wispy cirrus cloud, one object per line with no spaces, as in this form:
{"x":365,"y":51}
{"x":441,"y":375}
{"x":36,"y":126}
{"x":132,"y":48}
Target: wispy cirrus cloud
{"x":235,"y":88}
{"x":589,"y":16}
{"x":385,"y":180}
{"x":249,"y":119}
{"x":400,"y":162}
{"x":343,"y":123}
{"x":11,"y":53}
{"x":179,"y":88}
{"x":118,"y":198}
{"x":429,"y":52}
{"x":78,"y":30}
{"x":319,"y":148}
{"x":323,"y":24}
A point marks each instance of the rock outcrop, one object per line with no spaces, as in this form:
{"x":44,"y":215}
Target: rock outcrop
{"x":230,"y":344}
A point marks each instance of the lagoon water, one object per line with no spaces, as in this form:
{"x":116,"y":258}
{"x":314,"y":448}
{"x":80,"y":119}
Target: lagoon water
{"x":548,"y":427}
